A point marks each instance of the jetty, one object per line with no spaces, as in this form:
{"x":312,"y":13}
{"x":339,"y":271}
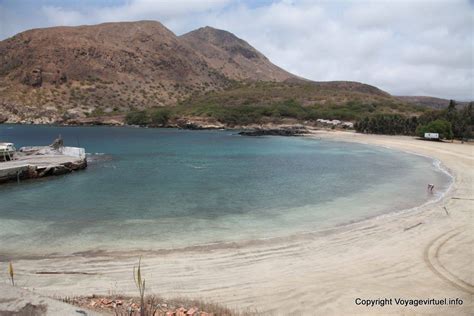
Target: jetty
{"x":42,"y":161}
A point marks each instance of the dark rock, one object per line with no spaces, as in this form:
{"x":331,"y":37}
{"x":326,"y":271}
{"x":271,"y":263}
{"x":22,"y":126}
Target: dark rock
{"x":63,"y":78}
{"x":60,"y":170}
{"x":287,"y":131}
{"x":34,"y":78}
{"x":188,"y":125}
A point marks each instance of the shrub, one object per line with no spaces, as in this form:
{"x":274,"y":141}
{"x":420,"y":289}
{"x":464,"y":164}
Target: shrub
{"x":442,"y":127}
{"x":137,"y":118}
{"x":160,"y":117}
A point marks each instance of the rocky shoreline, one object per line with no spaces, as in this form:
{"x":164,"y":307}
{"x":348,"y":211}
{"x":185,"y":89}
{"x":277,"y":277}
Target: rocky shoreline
{"x":190,"y":122}
{"x":270,"y":129}
{"x":281,"y":131}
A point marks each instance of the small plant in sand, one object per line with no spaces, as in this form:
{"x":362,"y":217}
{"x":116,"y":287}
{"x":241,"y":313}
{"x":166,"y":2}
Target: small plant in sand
{"x":140,"y":283}
{"x":11,"y":273}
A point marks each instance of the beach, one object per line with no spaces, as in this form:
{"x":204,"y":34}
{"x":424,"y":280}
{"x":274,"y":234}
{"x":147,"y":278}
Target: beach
{"x":422,"y":253}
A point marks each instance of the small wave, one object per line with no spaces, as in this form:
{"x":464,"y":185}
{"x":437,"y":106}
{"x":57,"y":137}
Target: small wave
{"x":195,"y":167}
{"x":98,"y":157}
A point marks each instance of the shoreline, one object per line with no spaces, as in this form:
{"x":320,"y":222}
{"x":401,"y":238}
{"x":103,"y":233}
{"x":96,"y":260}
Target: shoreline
{"x":324,"y":272}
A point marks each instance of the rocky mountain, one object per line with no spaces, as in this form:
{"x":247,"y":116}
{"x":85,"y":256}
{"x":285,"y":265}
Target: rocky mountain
{"x":63,"y":74}
{"x":233,"y":57}
{"x":87,"y":70}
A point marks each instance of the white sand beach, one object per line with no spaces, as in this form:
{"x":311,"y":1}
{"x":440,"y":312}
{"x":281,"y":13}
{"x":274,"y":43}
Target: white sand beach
{"x":425,"y":253}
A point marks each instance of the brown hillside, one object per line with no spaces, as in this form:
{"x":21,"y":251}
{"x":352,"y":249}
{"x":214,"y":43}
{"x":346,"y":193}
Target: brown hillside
{"x":72,"y":71}
{"x":69,"y":72}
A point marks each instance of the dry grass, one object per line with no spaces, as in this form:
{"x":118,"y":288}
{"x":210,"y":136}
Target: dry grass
{"x":11,"y":273}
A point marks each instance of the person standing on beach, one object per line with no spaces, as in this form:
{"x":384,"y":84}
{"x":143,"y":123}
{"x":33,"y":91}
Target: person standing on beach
{"x":430,"y":187}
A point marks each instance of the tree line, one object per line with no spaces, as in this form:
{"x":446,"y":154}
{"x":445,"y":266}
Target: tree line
{"x":449,"y":123}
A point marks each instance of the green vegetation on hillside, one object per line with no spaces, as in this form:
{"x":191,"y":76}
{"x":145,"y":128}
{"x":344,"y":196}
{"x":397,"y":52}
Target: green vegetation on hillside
{"x":256,"y":114}
{"x":264,"y":102}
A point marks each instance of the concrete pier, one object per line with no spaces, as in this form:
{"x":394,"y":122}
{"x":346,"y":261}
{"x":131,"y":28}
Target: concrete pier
{"x":38,"y":162}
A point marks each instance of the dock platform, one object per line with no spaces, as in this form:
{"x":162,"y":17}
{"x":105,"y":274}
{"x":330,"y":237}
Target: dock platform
{"x":32,"y":166}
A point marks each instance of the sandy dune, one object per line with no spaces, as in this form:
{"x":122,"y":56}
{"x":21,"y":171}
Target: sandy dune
{"x":421,"y":254}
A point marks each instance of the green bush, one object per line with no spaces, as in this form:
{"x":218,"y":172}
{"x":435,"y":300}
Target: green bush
{"x":137,"y":118}
{"x":442,"y":127}
{"x":160,"y":117}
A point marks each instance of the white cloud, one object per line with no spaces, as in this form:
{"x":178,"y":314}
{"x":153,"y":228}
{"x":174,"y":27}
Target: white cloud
{"x":130,"y":11}
{"x":403,"y":47}
{"x":163,"y":9}
{"x":60,"y":16}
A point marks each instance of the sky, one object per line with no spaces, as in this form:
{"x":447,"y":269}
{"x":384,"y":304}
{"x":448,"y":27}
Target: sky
{"x":405,"y":47}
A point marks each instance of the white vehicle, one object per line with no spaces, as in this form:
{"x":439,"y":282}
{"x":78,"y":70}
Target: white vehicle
{"x":7,"y":151}
{"x":431,"y":135}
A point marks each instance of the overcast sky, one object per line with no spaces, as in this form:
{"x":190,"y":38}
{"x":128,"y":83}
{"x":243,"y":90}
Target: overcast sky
{"x":405,"y":47}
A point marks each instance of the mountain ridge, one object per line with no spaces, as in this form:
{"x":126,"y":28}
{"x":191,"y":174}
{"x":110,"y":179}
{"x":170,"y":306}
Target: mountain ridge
{"x":431,"y":102}
{"x":64,"y":73}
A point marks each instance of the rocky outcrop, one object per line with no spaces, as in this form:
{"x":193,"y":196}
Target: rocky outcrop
{"x":34,"y":78}
{"x":284,"y":131}
{"x":196,"y":123}
{"x":113,"y":120}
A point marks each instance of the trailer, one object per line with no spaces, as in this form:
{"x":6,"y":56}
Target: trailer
{"x":432,"y":136}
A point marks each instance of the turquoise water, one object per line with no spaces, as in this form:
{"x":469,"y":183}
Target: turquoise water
{"x":168,"y":188}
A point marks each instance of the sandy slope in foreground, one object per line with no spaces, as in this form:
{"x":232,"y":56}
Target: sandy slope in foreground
{"x":419,"y":254}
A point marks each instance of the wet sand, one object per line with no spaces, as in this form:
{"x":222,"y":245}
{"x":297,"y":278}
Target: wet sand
{"x":418,"y":254}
